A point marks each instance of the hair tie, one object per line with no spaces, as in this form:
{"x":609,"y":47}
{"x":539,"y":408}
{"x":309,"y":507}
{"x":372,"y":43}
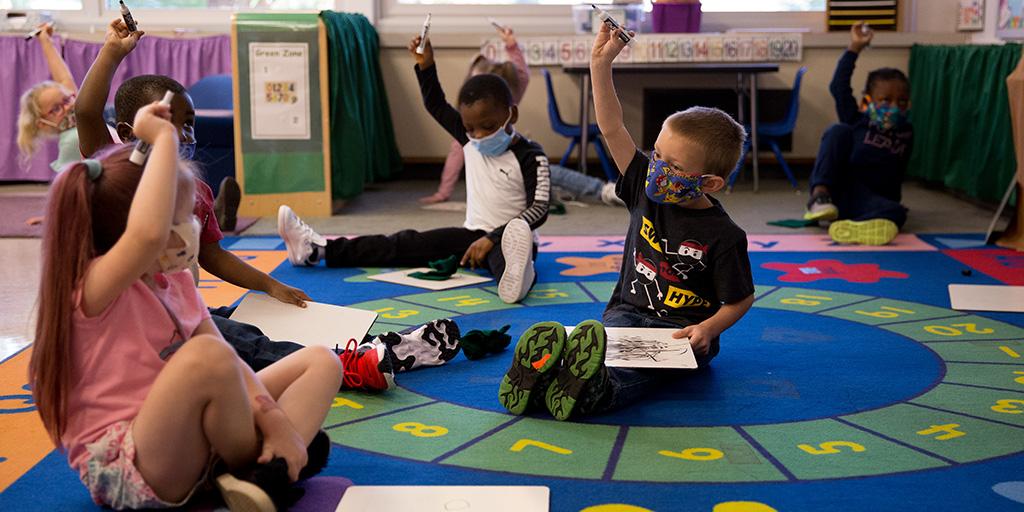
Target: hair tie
{"x":94,"y":168}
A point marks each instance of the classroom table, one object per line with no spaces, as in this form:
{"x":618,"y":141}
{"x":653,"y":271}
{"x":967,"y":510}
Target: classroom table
{"x":746,"y":73}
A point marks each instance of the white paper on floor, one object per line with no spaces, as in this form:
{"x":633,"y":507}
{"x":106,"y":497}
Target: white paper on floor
{"x":457,"y":280}
{"x":317,"y":324}
{"x":982,"y":297}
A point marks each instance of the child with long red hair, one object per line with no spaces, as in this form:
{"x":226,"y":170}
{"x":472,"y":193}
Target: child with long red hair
{"x":129,"y":374}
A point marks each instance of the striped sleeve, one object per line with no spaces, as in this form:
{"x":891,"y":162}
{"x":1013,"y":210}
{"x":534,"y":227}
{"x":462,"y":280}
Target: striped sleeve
{"x":537,"y":185}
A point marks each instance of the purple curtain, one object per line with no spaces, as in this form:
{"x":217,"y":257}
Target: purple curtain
{"x":185,"y":60}
{"x":25,"y":66}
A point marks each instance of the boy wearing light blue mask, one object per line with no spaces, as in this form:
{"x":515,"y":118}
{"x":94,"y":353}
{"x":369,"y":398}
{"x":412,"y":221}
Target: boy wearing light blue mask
{"x":507,"y":190}
{"x":858,"y":175}
{"x":684,"y":266}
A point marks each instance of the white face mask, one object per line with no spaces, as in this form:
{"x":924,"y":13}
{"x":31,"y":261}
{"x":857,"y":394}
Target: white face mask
{"x":176,"y":259}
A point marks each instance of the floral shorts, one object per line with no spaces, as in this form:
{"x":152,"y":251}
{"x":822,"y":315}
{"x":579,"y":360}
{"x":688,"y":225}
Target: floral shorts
{"x":110,"y":473}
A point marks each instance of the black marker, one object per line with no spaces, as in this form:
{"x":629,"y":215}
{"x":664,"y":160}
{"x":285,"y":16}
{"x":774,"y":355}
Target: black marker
{"x":608,"y":20}
{"x":127,"y":16}
{"x":38,"y":31}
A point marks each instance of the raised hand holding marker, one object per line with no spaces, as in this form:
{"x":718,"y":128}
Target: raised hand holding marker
{"x":423,"y":35}
{"x":608,"y":20}
{"x":141,"y":151}
{"x":129,"y":21}
{"x":495,"y":23}
{"x":38,"y":30}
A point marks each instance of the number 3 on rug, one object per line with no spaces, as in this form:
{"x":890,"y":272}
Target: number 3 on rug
{"x":417,"y":429}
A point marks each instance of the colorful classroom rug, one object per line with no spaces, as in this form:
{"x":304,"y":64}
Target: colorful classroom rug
{"x":850,"y":385}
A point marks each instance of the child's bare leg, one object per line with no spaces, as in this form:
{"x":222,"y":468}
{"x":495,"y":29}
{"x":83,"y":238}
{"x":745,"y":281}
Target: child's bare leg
{"x":198,"y":403}
{"x":304,"y":384}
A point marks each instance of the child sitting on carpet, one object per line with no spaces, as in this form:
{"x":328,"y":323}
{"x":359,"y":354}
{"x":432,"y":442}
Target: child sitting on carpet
{"x":507,"y":185}
{"x":256,"y":350}
{"x":516,"y":74}
{"x":858,"y":174}
{"x":122,"y":331}
{"x":684,"y":266}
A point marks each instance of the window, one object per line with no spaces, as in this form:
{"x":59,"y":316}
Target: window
{"x":274,"y":5}
{"x":42,"y":5}
{"x":707,"y":5}
{"x":762,"y":5}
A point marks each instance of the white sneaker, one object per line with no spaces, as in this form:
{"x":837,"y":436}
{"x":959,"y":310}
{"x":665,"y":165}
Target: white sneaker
{"x":298,"y":237}
{"x":608,"y":196}
{"x":517,"y":248}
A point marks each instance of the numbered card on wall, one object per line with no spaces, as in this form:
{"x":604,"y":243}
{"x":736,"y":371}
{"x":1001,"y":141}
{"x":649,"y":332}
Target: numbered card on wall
{"x":716,"y":49}
{"x":686,"y":50}
{"x":730,"y":49}
{"x":534,"y":52}
{"x":672,"y":50}
{"x":550,"y":51}
{"x":581,"y":51}
{"x":746,"y":49}
{"x":565,"y":52}
{"x":279,"y":98}
{"x":700,"y":50}
{"x":760,"y":49}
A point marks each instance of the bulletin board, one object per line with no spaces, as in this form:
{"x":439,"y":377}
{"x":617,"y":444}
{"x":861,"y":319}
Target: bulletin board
{"x":282,"y":134}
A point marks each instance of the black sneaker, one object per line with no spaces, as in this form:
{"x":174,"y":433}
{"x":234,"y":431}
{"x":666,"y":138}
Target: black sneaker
{"x":317,"y":453}
{"x":226,"y":205}
{"x":242,"y":490}
{"x":582,"y":362}
{"x":538,"y":353}
{"x":432,"y":344}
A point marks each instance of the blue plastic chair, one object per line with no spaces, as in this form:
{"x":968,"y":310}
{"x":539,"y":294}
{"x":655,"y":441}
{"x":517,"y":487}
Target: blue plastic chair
{"x":212,"y":92}
{"x":574,"y":132}
{"x":770,"y":133}
{"x":215,"y":140}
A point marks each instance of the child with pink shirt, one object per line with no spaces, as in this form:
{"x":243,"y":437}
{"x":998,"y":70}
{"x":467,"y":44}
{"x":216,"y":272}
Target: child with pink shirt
{"x":517,"y":74}
{"x":129,"y":374}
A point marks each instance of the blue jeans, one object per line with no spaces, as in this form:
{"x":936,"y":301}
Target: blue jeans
{"x":626,"y":386}
{"x":576,"y":183}
{"x":255,"y":348}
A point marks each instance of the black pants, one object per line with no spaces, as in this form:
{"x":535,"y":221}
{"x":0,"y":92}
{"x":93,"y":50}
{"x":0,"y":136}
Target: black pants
{"x":851,"y":195}
{"x":253,"y":347}
{"x":411,"y":248}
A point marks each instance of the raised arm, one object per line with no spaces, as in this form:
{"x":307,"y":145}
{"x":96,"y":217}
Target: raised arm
{"x":92,"y":98}
{"x":433,"y":95}
{"x":607,"y":46}
{"x":842,"y":92}
{"x":515,"y":56}
{"x":149,"y":219}
{"x":59,"y":71}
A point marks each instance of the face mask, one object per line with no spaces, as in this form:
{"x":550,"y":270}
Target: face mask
{"x":669,"y":188}
{"x":177,"y":259}
{"x":884,"y":116}
{"x":495,"y":143}
{"x":187,"y":150}
{"x":64,"y":123}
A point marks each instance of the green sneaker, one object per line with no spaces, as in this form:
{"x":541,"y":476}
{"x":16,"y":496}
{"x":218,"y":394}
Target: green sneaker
{"x":582,"y":360}
{"x":538,"y":352}
{"x":865,"y":232}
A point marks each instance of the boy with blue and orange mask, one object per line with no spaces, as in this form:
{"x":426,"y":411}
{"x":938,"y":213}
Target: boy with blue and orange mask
{"x":685,"y":263}
{"x":858,"y":175}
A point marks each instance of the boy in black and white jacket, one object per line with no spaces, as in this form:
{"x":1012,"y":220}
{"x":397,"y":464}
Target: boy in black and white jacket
{"x":507,"y":193}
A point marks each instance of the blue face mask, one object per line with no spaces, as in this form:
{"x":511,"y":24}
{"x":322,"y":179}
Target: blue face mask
{"x":496,"y":143}
{"x":670,"y":188}
{"x":187,"y":150}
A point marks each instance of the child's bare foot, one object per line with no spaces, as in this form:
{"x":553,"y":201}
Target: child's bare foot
{"x":436,"y":198}
{"x":34,"y":221}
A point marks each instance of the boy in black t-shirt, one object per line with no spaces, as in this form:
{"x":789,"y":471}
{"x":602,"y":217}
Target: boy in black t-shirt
{"x":684,"y":264}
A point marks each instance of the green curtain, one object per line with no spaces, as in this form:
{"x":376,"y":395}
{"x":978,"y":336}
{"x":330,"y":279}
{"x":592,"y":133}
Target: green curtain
{"x":363,"y":147}
{"x":961,"y":116}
